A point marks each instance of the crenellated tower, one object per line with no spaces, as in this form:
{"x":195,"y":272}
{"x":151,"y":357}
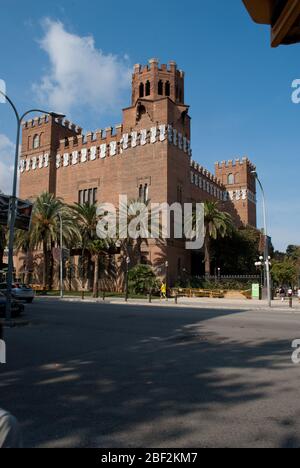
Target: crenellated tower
{"x":240,"y":183}
{"x":154,"y":82}
{"x":40,"y":142}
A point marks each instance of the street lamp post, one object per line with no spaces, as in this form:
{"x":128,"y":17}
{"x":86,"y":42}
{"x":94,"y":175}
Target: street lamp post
{"x":127,"y":275}
{"x":13,"y":200}
{"x":167,"y":276}
{"x":267,"y":258}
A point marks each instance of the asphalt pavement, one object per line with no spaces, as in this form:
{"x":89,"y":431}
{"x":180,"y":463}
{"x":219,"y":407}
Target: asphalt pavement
{"x":111,"y":375}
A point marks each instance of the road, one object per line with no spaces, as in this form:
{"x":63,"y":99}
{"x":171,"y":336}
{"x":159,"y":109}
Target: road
{"x":96,"y":375}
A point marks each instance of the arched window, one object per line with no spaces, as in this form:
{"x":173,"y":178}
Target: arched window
{"x":230,"y":179}
{"x":180,"y":96}
{"x":148,"y":88}
{"x":36,"y":141}
{"x":142,"y":90}
{"x":168,"y":88}
{"x":160,"y":88}
{"x":237,"y":178}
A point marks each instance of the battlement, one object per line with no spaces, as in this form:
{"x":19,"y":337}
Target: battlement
{"x":98,"y":137}
{"x":234,"y":164}
{"x":205,"y":173}
{"x":46,"y":119}
{"x":171,"y":68}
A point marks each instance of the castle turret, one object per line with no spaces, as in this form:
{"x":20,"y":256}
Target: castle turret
{"x":40,"y":141}
{"x":237,"y":176}
{"x":153,"y":82}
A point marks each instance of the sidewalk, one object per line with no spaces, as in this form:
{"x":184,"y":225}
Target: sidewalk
{"x":201,"y":303}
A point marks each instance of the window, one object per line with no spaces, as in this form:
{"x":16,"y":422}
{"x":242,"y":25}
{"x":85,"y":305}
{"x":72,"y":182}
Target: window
{"x":160,"y":88}
{"x":88,"y":196}
{"x":168,"y":88}
{"x":146,"y":193}
{"x":142,"y":90}
{"x":36,"y":141}
{"x":85,"y":196}
{"x":148,"y":88}
{"x":140,"y":192}
{"x":95,"y":196}
{"x":230,"y":179}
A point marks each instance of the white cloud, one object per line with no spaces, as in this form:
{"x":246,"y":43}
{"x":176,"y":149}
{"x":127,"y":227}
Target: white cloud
{"x":80,"y":74}
{"x":7,"y":151}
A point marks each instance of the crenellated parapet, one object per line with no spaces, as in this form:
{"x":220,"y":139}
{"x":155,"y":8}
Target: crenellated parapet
{"x":45,"y":119}
{"x":235,"y":164}
{"x":207,"y":182}
{"x":108,"y":143}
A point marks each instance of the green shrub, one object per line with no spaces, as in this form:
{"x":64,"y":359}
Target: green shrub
{"x":141,"y":279}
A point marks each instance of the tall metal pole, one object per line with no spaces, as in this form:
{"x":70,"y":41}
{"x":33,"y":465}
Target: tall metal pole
{"x":13,"y":202}
{"x":61,"y":258}
{"x":12,"y":221}
{"x":267,"y":260}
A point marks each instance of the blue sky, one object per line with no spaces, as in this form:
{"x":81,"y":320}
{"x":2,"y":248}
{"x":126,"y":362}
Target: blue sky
{"x":239,"y":88}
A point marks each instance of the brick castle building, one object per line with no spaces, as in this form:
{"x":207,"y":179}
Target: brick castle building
{"x":149,"y":155}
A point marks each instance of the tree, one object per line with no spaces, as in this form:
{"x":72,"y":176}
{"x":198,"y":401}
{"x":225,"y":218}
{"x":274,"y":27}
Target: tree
{"x":45,"y":230}
{"x":237,"y":255}
{"x":23,"y":244}
{"x":218,"y":224}
{"x":284,"y":273}
{"x":97,"y":248}
{"x":141,"y":279}
{"x":134,"y":246}
{"x":86,"y":219}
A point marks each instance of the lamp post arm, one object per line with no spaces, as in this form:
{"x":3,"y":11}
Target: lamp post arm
{"x":40,"y":111}
{"x":12,"y":105}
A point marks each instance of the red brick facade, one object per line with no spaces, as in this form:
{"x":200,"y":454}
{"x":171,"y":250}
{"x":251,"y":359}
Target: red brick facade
{"x":150,"y":150}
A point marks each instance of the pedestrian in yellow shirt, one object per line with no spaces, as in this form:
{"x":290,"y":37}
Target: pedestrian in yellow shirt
{"x":163,"y":291}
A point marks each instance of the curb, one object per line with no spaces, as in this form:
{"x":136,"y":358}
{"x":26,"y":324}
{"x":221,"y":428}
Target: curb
{"x":171,"y":304}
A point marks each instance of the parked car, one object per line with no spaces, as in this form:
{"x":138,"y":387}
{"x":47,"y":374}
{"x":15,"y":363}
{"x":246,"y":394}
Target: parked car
{"x":16,"y":307}
{"x":21,"y":292}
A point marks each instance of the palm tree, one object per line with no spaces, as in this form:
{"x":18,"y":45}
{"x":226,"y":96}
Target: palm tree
{"x":97,"y":248}
{"x":128,"y":244}
{"x":217,"y":223}
{"x":46,"y":228}
{"x":87,"y":219}
{"x":23,"y":244}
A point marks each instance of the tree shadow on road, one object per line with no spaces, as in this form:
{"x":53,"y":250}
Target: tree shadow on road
{"x":178,"y":387}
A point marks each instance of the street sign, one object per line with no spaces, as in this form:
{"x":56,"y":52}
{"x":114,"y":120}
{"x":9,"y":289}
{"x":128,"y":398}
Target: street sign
{"x":255,"y":291}
{"x":23,"y":214}
{"x":282,"y":15}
